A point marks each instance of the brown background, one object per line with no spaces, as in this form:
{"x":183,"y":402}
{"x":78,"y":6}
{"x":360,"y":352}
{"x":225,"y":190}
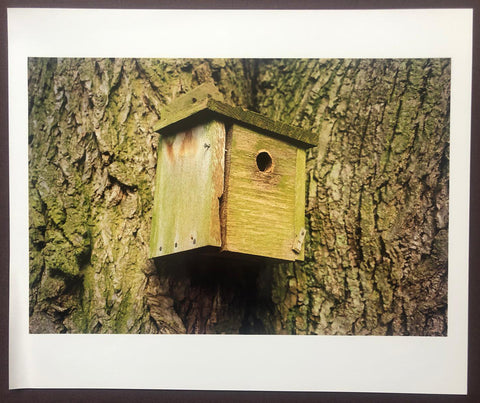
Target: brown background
{"x":150,"y":396}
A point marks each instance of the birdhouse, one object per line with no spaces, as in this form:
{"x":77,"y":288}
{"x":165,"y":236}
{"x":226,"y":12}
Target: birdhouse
{"x":228,"y":180}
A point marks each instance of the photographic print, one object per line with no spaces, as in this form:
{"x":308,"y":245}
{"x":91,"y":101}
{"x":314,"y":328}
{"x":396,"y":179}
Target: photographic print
{"x":282,"y":196}
{"x":188,"y":196}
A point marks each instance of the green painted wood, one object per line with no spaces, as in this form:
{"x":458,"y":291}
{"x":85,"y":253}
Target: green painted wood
{"x":195,"y":96}
{"x":208,"y":107}
{"x":261,"y":212}
{"x":260,"y":206}
{"x":187,"y":105}
{"x":271,"y":127}
{"x":300,"y":180}
{"x":189,"y":183}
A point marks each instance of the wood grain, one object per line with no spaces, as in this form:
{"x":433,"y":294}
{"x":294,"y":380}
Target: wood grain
{"x":260,"y":206}
{"x":300,"y":198}
{"x":210,"y":107}
{"x":189,"y":184}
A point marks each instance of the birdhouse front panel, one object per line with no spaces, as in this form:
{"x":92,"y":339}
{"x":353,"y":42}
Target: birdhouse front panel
{"x":260,"y":199}
{"x":189,"y":183}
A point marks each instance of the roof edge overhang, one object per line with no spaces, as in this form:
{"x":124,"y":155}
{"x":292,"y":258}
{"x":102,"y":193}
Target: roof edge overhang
{"x":212,"y":108}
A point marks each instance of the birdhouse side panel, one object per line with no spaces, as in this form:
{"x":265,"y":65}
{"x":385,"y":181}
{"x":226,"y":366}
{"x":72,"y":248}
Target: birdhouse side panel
{"x":260,"y":201}
{"x":188,"y":185}
{"x":300,"y":181}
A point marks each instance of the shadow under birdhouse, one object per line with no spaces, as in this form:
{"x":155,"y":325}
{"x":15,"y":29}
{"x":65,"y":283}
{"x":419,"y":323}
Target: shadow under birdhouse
{"x":215,"y":294}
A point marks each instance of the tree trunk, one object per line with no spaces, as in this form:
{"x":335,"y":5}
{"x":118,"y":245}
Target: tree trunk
{"x":376,"y":214}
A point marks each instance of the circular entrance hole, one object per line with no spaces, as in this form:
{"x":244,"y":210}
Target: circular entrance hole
{"x":264,"y":161}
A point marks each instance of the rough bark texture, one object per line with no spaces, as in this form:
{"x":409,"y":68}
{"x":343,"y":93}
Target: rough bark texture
{"x":377,"y":199}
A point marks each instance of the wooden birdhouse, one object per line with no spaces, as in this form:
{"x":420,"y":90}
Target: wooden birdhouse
{"x":228,"y":179}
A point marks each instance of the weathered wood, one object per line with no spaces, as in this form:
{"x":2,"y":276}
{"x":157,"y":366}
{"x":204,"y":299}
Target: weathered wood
{"x":185,"y":106}
{"x":189,"y":183}
{"x":249,"y":172}
{"x":300,"y":203}
{"x":209,"y":107}
{"x":195,"y":96}
{"x":224,"y":198}
{"x":260,"y":206}
{"x":298,"y":243}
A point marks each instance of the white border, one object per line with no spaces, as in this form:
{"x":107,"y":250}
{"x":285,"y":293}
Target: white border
{"x":297,"y":363}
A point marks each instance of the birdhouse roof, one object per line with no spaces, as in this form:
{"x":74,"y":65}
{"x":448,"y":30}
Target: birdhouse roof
{"x":189,"y":110}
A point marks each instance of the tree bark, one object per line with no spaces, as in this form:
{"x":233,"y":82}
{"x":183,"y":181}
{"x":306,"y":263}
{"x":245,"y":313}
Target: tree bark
{"x":376,"y":214}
